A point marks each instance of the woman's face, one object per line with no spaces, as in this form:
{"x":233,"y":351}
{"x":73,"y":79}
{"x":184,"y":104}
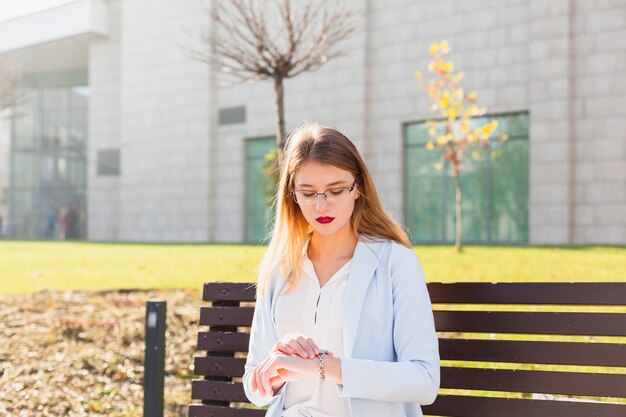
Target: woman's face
{"x":326,"y":217}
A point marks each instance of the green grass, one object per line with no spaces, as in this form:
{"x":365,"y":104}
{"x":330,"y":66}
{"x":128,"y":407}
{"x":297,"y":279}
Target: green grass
{"x":34,"y":266}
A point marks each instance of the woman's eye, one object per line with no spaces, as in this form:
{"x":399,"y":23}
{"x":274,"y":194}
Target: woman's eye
{"x":336,"y":191}
{"x":308,"y":195}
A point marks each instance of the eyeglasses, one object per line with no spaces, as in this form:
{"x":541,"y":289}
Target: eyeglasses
{"x":332,"y":195}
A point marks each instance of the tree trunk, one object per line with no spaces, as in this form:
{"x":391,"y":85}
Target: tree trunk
{"x":459,"y":212}
{"x":280,"y":115}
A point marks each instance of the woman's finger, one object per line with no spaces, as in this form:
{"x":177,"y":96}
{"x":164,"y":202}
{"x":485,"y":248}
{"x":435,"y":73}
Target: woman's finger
{"x":306,"y":346}
{"x":258,"y":376}
{"x":266,"y":372}
{"x":313,"y":345}
{"x":285,"y":348}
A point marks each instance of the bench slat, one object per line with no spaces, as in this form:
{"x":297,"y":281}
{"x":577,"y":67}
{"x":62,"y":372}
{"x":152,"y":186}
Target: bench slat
{"x":229,"y":291}
{"x":548,"y":382}
{"x":554,"y":323}
{"x":219,"y":366}
{"x":556,"y":353}
{"x":580,"y":293}
{"x":226,"y":316}
{"x":200,"y":410}
{"x":218,"y":390}
{"x":466,"y":406}
{"x":223,"y":341}
{"x":590,"y":324}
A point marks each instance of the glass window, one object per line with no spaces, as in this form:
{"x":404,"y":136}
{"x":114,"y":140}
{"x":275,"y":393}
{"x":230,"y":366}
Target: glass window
{"x":49,"y":167}
{"x":258,"y":214}
{"x":495,"y":188}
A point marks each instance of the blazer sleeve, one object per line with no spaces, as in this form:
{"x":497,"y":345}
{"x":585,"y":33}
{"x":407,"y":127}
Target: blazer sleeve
{"x":415,"y":377}
{"x":261,"y":343}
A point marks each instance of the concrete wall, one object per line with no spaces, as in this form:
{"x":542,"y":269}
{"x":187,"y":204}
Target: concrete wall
{"x":600,"y":121}
{"x":183,"y":175}
{"x":562,"y":61}
{"x":164,"y":125}
{"x":103,"y":196}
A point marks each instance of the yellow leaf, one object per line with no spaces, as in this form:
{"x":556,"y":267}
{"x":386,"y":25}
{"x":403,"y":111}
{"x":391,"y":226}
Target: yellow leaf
{"x":444,"y":103}
{"x":445,"y":48}
{"x":431,"y":66}
{"x":458,"y":77}
{"x":430,"y":146}
{"x":433,"y":49}
{"x":489,"y":128}
{"x":504,"y":137}
{"x":442,"y":140}
{"x":419,"y":75}
{"x":432,"y":131}
{"x":438,"y":165}
{"x":472,"y":96}
{"x":452,"y":113}
{"x":496,"y":154}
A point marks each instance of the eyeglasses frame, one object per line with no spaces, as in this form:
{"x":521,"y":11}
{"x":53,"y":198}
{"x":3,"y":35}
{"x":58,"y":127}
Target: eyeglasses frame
{"x":293,"y":193}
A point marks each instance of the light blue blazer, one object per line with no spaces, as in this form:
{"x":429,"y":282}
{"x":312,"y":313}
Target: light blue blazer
{"x":390,"y":363}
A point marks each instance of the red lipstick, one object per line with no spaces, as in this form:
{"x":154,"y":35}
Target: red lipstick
{"x":325,"y":219}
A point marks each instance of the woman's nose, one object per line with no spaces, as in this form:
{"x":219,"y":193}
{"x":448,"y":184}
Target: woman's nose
{"x":321,"y":202}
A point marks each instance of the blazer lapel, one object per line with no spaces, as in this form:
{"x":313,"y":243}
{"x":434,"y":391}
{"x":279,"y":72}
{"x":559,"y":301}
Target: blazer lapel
{"x":364,"y":262}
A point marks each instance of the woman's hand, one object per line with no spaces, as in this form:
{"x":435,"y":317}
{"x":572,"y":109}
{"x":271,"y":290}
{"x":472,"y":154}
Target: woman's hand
{"x":297,"y":344}
{"x":278,"y":368}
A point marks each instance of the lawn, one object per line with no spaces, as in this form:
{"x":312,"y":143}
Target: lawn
{"x":34,"y":266}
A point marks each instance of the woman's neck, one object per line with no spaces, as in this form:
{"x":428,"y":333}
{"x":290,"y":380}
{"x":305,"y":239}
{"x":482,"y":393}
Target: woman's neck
{"x":334,"y":247}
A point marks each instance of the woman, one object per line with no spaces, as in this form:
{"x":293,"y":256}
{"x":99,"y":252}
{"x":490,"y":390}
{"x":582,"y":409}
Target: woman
{"x":343,"y":324}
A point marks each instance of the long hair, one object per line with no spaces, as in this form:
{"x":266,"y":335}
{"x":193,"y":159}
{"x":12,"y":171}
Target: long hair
{"x":315,"y":143}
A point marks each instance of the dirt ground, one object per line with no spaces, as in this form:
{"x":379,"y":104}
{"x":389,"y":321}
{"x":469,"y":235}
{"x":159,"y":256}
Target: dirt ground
{"x":81,"y":353}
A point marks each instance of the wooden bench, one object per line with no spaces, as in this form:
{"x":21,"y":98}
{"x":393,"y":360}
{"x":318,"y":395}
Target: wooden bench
{"x":479,"y":327}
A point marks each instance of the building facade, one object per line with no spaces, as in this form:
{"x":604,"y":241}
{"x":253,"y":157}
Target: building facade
{"x":146,"y":145}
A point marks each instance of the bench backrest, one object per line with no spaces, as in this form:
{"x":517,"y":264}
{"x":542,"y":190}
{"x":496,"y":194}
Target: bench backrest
{"x":507,"y":349}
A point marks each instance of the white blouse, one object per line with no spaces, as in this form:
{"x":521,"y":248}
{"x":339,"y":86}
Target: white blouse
{"x":318,"y":313}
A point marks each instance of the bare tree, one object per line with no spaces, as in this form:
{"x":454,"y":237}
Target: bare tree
{"x":10,"y":93}
{"x":259,"y":39}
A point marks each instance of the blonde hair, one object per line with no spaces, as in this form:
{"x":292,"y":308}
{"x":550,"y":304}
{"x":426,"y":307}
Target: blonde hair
{"x":312,"y":142}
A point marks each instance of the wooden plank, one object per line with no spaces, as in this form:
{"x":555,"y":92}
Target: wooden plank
{"x":466,"y":406}
{"x":202,"y":389}
{"x":201,"y":410}
{"x":548,"y":382}
{"x":579,"y":293}
{"x":226,"y":316}
{"x":223,"y":341}
{"x":591,"y":324}
{"x":558,"y":353}
{"x":229,"y":291}
{"x":219,"y":366}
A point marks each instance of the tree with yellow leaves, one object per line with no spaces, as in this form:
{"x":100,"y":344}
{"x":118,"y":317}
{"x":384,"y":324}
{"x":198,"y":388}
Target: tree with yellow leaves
{"x":451,"y":134}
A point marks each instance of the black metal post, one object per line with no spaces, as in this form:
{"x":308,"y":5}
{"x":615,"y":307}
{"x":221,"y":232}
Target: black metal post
{"x":154,"y":359}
